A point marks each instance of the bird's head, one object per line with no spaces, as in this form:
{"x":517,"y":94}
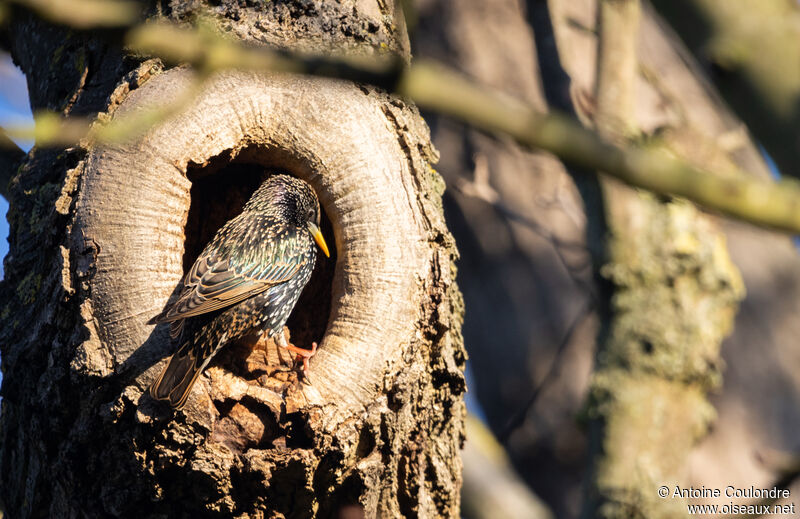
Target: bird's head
{"x":292,"y":200}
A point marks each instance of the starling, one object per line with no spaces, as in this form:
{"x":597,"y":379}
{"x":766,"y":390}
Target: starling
{"x":247,"y":278}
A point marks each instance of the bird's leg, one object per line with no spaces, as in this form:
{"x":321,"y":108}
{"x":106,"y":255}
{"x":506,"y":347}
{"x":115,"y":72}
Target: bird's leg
{"x":280,"y":340}
{"x":300,"y":352}
{"x":263,"y":341}
{"x":304,"y":355}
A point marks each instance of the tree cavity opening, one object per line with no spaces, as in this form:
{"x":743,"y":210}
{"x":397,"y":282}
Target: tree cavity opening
{"x":219,"y":190}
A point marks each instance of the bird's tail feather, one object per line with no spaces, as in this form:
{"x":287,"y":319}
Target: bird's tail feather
{"x":177,"y":379}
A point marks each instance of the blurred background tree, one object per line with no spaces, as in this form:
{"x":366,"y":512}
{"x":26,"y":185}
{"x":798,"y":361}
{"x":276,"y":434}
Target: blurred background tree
{"x":618,"y":340}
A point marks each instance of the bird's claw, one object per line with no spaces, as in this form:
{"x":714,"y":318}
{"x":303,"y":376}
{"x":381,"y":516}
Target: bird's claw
{"x":304,"y":355}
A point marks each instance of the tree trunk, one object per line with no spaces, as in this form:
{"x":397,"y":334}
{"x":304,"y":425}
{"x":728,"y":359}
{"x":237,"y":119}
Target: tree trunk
{"x":100,"y":237}
{"x":675,"y":293}
{"x":525,"y":233}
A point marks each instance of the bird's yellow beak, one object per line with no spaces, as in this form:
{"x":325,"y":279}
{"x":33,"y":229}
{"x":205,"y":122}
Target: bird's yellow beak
{"x":317,"y":234}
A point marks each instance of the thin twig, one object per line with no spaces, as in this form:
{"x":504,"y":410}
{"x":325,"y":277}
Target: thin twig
{"x":85,"y":14}
{"x":787,"y":467}
{"x":519,"y":417}
{"x":755,"y":47}
{"x":480,"y":189}
{"x":770,"y":204}
{"x":50,"y":129}
{"x":434,"y":87}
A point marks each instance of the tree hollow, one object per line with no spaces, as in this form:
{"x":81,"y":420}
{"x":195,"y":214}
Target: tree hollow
{"x":331,"y":134}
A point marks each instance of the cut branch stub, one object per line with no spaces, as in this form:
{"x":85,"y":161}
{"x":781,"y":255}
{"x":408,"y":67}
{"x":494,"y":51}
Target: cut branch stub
{"x":334,"y":135}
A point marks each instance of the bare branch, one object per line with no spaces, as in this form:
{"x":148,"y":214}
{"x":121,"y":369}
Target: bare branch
{"x":584,"y":312}
{"x":491,"y":487}
{"x":50,"y":129}
{"x":770,"y":204}
{"x":85,"y":14}
{"x":435,"y":87}
{"x":617,"y":66}
{"x":209,"y":51}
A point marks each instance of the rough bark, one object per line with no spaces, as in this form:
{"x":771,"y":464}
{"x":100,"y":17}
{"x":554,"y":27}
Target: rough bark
{"x":677,"y":105}
{"x":674,"y":295}
{"x":100,"y":236}
{"x":10,"y":159}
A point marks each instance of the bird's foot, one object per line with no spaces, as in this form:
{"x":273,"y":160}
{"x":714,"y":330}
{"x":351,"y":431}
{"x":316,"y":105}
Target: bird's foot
{"x":304,"y":355}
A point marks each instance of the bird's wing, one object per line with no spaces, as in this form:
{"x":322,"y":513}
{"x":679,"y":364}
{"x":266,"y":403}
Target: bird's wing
{"x":218,"y":280}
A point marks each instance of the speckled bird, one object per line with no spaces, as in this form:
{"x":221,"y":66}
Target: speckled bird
{"x":247,"y":278}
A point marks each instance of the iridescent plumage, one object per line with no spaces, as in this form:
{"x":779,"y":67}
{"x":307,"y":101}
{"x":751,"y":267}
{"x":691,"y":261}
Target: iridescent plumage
{"x":247,"y":278}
